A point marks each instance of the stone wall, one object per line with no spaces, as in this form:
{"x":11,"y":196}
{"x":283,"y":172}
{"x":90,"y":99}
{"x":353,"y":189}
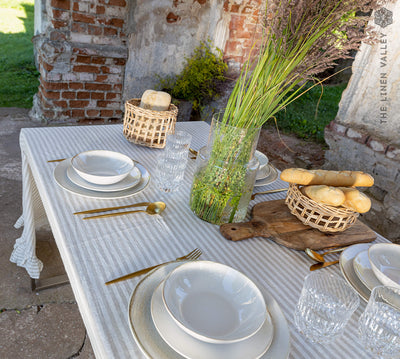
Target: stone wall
{"x":95,"y":54}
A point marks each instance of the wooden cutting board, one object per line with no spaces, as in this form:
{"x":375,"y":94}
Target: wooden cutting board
{"x":272,"y":219}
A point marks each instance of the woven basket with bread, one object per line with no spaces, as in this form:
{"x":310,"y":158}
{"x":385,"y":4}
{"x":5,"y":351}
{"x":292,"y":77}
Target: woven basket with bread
{"x":327,"y":200}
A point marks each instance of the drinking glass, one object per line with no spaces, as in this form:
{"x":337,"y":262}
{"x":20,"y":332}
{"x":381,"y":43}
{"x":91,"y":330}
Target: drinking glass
{"x":172,"y":162}
{"x":325,"y":306}
{"x":379,"y":325}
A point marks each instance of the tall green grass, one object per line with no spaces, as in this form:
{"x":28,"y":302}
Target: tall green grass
{"x":18,"y":75}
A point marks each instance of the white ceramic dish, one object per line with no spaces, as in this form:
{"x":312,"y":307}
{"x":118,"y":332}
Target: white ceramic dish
{"x":363,"y":269}
{"x":102,"y":167}
{"x":263,"y":169}
{"x":61,"y":177}
{"x":154,"y":347}
{"x":385,"y":263}
{"x":347,"y":269}
{"x":129,"y":181}
{"x":214,"y":302}
{"x":271,"y":177}
{"x":194,"y":348}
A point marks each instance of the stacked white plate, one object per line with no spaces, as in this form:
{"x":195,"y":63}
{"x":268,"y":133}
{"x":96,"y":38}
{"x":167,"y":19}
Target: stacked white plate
{"x":204,"y":309}
{"x":366,"y":266}
{"x":266,"y":173}
{"x":101,"y":174}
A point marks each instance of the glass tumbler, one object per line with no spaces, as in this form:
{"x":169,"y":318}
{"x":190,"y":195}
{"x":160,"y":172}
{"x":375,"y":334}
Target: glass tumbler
{"x":172,"y":162}
{"x":325,"y":306}
{"x":379,"y":325}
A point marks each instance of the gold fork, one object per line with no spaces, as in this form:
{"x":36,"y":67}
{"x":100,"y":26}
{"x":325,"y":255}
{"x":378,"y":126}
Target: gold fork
{"x":193,"y":255}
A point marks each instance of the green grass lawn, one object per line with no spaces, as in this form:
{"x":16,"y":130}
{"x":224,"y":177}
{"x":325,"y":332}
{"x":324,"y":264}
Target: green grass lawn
{"x":309,"y":114}
{"x":18,"y":75}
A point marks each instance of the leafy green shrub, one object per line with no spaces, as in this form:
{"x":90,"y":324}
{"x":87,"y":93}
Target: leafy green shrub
{"x":199,"y":79}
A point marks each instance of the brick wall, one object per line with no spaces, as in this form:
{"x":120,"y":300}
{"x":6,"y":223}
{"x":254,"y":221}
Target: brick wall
{"x":82,"y":56}
{"x":81,"y":59}
{"x":244,"y":30}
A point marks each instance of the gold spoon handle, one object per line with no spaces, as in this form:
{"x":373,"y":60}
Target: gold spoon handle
{"x":322,"y":265}
{"x":113,"y":208}
{"x":115,"y":214}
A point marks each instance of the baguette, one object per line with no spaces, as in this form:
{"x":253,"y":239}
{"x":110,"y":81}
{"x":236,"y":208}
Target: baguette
{"x":355,"y":200}
{"x":331,"y":196}
{"x":329,"y":178}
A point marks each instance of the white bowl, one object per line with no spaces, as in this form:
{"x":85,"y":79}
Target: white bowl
{"x":213,"y":302}
{"x":102,"y":167}
{"x":385,"y":263}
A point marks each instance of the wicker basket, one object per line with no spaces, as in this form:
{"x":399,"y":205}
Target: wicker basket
{"x":323,"y":217}
{"x":147,"y":127}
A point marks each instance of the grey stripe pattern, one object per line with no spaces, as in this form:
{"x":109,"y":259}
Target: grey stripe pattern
{"x":98,"y":250}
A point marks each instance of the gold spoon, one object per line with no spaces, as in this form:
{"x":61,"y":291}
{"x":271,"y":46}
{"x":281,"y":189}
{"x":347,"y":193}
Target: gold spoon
{"x":270,"y":191}
{"x":319,"y":257}
{"x":152,"y":208}
{"x":322,"y":265}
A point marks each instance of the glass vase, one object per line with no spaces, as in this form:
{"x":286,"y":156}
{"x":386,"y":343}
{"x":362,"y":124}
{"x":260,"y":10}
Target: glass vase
{"x":225,"y":174}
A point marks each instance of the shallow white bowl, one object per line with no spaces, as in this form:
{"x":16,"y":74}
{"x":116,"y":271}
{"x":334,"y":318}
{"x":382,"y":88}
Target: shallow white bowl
{"x":213,"y":302}
{"x":385,"y":263}
{"x":102,"y":167}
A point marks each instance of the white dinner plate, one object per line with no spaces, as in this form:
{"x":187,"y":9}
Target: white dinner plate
{"x":271,"y":177}
{"x":347,"y":268}
{"x":61,"y":177}
{"x":192,"y":348}
{"x":152,"y":344}
{"x":129,"y":181}
{"x":363,"y":269}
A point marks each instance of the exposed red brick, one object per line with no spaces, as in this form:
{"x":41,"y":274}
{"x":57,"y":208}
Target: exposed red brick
{"x":109,"y":31}
{"x":71,"y":95}
{"x":105,"y":103}
{"x":101,"y":78}
{"x":75,"y":6}
{"x":63,"y":104}
{"x":111,"y":95}
{"x":55,"y":95}
{"x":86,"y":68}
{"x":226,"y":5}
{"x":78,"y":113}
{"x":47,"y":66}
{"x":98,"y":60}
{"x":114,"y":120}
{"x":78,"y":103}
{"x":115,"y":22}
{"x":83,"y":59}
{"x":82,"y":95}
{"x":88,"y":19}
{"x":95,"y":30}
{"x":100,"y":10}
{"x":59,"y":24}
{"x":118,"y":112}
{"x":57,"y":36}
{"x":232,"y":47}
{"x":92,"y":113}
{"x":171,"y":18}
{"x":120,"y":62}
{"x":201,"y":2}
{"x":237,"y":22}
{"x":98,"y":87}
{"x":78,"y":27}
{"x":106,"y":113}
{"x":60,"y":14}
{"x":53,"y":85}
{"x":97,"y":95}
{"x":67,"y":113}
{"x":117,"y":3}
{"x":234,"y":8}
{"x":49,"y":113}
{"x":75,"y":85}
{"x":60,"y":4}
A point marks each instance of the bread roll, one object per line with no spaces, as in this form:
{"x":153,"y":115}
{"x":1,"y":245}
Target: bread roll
{"x":355,"y":200}
{"x":331,"y":196}
{"x":155,"y":100}
{"x":328,"y":178}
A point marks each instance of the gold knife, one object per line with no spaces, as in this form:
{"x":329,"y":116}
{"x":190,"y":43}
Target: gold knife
{"x":113,"y":208}
{"x":322,"y":265}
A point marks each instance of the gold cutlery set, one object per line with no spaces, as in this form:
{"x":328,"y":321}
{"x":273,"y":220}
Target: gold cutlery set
{"x":319,"y":258}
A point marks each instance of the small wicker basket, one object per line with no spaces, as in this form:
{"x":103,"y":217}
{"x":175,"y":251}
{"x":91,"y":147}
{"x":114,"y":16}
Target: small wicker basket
{"x":323,"y":217}
{"x":147,"y":127}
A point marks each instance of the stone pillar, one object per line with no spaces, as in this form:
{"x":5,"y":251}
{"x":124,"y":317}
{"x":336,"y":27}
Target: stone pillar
{"x":365,"y":135}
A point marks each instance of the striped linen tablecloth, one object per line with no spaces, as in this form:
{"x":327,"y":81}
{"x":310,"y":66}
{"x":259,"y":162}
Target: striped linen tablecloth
{"x":96,"y":251}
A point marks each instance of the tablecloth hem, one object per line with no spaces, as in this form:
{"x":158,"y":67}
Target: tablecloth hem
{"x":33,"y":265}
